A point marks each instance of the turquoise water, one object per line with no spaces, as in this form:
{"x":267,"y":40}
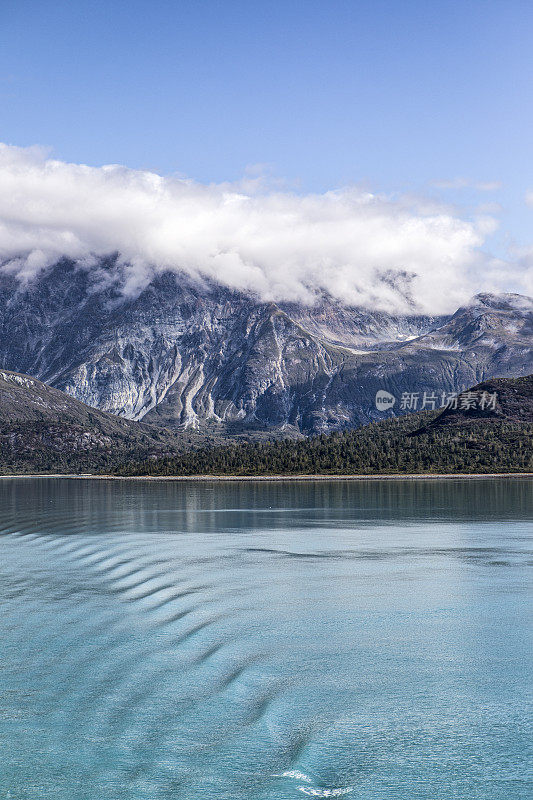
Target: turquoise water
{"x":265,"y":641}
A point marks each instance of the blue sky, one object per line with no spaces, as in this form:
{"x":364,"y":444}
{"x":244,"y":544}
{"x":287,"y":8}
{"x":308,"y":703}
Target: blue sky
{"x":394,"y":94}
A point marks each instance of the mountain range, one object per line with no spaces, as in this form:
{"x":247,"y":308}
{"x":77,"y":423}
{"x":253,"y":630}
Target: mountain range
{"x":489,"y":430}
{"x":193,"y":356}
{"x":44,"y":429}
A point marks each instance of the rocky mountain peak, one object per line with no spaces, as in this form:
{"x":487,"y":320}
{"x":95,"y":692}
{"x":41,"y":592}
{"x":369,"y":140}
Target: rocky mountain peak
{"x":194,"y":355}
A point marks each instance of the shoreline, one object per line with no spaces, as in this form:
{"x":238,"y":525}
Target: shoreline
{"x":279,"y":478}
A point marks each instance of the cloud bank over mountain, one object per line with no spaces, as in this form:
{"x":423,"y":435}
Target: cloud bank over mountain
{"x":362,"y":248}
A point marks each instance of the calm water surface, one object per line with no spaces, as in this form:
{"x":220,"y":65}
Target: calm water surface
{"x":265,"y":641}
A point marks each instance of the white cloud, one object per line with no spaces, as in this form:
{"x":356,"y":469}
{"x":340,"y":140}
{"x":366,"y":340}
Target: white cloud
{"x":364,"y":249}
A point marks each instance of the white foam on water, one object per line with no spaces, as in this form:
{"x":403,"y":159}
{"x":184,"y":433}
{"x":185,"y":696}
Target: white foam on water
{"x":310,"y":790}
{"x":293,"y":773}
{"x":325,"y":792}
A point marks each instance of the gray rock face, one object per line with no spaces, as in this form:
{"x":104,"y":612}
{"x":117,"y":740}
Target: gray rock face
{"x":37,"y":420}
{"x":200,"y":356}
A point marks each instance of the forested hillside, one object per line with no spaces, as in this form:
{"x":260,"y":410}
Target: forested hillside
{"x":497,"y":437}
{"x":44,"y":430}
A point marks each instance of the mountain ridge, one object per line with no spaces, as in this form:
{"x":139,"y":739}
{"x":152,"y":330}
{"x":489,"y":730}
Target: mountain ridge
{"x":197,"y":357}
{"x":481,"y":434}
{"x":509,"y":399}
{"x":43,"y":430}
